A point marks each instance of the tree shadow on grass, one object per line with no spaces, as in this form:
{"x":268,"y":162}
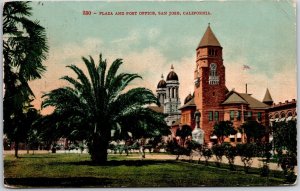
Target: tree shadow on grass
{"x":36,"y":156}
{"x":57,"y":182}
{"x":116,"y":163}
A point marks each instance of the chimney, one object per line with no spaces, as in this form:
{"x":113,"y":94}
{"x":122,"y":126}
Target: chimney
{"x":246,"y":89}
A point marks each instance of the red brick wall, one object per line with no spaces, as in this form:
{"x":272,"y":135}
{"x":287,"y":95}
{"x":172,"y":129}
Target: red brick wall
{"x":187,"y":116}
{"x":209,"y":97}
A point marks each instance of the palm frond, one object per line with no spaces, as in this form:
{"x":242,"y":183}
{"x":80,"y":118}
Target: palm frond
{"x":101,"y":70}
{"x":82,"y":77}
{"x":72,"y":81}
{"x":137,"y":97}
{"x":112,"y":71}
{"x":90,"y":65}
{"x":119,"y":83}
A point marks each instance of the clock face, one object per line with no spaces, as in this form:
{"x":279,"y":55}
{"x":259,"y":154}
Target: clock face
{"x":213,"y":66}
{"x":197,"y":82}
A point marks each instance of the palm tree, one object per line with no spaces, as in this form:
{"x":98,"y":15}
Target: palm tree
{"x":24,"y":49}
{"x":99,"y":103}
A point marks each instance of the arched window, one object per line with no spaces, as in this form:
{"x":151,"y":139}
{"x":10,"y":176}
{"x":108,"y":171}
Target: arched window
{"x":212,"y":52}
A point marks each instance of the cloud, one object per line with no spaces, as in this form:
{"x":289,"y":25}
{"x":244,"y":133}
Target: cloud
{"x":151,"y":62}
{"x":132,"y":38}
{"x":282,"y":85}
{"x":153,"y":34}
{"x":56,"y":64}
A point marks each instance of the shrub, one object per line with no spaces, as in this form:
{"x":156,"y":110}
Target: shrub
{"x":264,"y":151}
{"x":265,"y":171}
{"x":288,"y":163}
{"x":247,"y":152}
{"x":207,"y":153}
{"x":218,"y":151}
{"x":174,"y":148}
{"x":230,"y":153}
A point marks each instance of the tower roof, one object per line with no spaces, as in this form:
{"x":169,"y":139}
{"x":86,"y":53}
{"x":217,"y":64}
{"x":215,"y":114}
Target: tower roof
{"x":208,"y":39}
{"x":188,"y":98}
{"x":267,"y":97}
{"x":190,"y":103}
{"x":162,"y":83}
{"x":172,"y":75}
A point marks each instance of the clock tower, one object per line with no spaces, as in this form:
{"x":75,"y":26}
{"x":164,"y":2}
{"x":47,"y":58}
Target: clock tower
{"x":209,"y":81}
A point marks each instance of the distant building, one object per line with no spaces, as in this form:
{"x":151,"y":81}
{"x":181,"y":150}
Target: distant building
{"x":168,"y":95}
{"x":283,"y":111}
{"x":212,"y":98}
{"x":215,"y":103}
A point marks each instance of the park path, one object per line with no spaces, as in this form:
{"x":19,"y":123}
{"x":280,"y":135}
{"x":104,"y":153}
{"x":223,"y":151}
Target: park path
{"x":257,"y":163}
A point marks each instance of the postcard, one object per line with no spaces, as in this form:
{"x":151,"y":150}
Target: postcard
{"x":149,"y":94}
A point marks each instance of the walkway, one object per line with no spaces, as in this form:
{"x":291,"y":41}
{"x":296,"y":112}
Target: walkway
{"x":257,"y":163}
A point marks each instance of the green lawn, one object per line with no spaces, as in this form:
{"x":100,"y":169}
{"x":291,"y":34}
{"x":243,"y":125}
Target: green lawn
{"x":76,"y":170}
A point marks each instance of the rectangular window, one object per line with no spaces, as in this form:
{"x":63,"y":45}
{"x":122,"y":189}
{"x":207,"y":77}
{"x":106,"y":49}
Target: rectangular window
{"x":249,"y":115}
{"x":238,"y":117}
{"x":259,"y":116}
{"x":231,"y":115}
{"x":216,"y":116}
{"x":210,"y":115}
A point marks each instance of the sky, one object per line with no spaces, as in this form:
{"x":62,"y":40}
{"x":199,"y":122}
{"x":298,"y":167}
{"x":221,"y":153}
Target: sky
{"x":259,"y":34}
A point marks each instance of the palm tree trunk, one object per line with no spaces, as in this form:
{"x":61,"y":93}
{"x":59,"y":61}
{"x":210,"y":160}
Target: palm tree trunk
{"x":16,"y":148}
{"x":27,"y":147}
{"x":98,"y":150}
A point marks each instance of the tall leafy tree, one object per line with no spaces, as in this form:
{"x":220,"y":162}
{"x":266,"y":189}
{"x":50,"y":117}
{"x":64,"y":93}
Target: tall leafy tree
{"x":254,"y":130}
{"x":285,"y":139}
{"x":223,"y":129}
{"x":183,"y":132}
{"x":98,"y":102}
{"x":24,"y":49}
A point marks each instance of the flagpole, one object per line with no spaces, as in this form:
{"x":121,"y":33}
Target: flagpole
{"x":245,"y":67}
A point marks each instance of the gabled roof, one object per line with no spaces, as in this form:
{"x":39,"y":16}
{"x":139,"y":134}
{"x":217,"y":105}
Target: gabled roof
{"x":208,"y":39}
{"x":191,"y":103}
{"x":234,"y":97}
{"x":267,"y":97}
{"x":253,"y":103}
